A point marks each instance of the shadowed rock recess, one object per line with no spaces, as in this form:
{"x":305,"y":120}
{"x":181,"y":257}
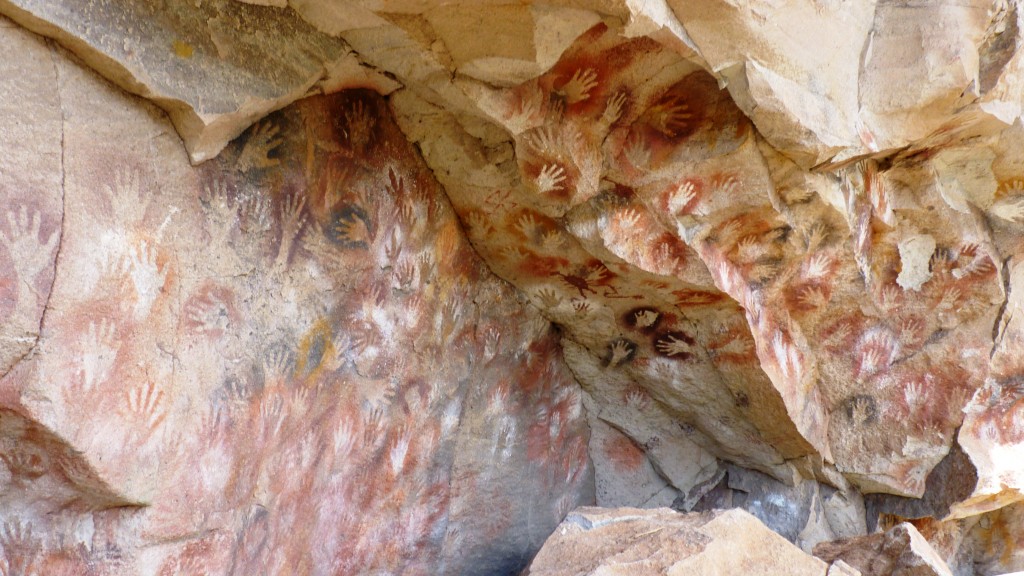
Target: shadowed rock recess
{"x":368,"y":287}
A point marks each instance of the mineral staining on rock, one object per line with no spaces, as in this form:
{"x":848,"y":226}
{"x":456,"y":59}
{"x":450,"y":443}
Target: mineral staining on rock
{"x":287,"y":357}
{"x":30,"y":225}
{"x":214,"y":67}
{"x":761,"y":258}
{"x":900,"y":550}
{"x":693,"y":262}
{"x":599,"y":148}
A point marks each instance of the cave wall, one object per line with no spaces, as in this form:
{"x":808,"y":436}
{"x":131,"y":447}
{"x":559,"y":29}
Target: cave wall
{"x":286,"y":359}
{"x":395,"y":285}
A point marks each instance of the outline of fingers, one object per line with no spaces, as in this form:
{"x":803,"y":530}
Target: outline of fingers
{"x":126,"y":196}
{"x":209,"y":314}
{"x":143,"y":263}
{"x":256,"y":152}
{"x":637,"y":152}
{"x":613,"y":109}
{"x":682,"y":195}
{"x":551,"y":178}
{"x":292,"y":210}
{"x":217,"y":190}
{"x":29,"y":253}
{"x":545,"y":140}
{"x":126,"y":183}
{"x":672,"y":346}
{"x":277,"y":363}
{"x":256,"y":214}
{"x":578,"y":88}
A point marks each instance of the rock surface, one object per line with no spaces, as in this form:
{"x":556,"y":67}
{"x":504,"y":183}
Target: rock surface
{"x":287,"y":360}
{"x":517,"y":257}
{"x":901,"y":551}
{"x":806,"y":514}
{"x":215,"y":67}
{"x":636,"y":542}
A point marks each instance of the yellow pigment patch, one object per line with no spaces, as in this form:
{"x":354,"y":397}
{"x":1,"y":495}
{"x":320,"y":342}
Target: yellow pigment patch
{"x":183,"y":49}
{"x":315,"y":346}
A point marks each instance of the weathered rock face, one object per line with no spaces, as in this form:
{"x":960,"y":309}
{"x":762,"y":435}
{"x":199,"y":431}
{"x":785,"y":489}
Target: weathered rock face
{"x":778,"y":245}
{"x":287,"y":359}
{"x":695,"y":266}
{"x":215,"y":67}
{"x":900,"y":551}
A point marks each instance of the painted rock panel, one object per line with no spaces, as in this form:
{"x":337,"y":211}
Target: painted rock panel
{"x":288,"y":359}
{"x":31,"y":182}
{"x":577,"y":220}
{"x":306,"y":302}
{"x":215,"y":67}
{"x":772,"y":313}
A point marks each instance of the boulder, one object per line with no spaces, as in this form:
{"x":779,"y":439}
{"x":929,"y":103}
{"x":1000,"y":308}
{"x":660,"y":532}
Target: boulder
{"x":900,"y":551}
{"x":634,"y":542}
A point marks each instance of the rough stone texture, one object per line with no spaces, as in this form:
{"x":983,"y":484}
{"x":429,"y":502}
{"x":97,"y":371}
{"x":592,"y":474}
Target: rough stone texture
{"x":288,"y":360}
{"x":629,"y":541}
{"x":840,"y":568}
{"x":779,"y":241}
{"x":817,"y":78}
{"x":996,"y":543}
{"x":691,"y":263}
{"x":805,"y":514}
{"x":901,"y":551}
{"x":624,"y":473}
{"x":32,"y":180}
{"x":632,"y":323}
{"x":215,"y":66}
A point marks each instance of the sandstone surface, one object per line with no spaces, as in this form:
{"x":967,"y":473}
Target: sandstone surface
{"x":394,"y":285}
{"x":900,"y":551}
{"x":634,"y":542}
{"x":287,"y":360}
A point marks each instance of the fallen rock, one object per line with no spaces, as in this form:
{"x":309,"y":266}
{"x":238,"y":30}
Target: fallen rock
{"x":840,"y":568}
{"x":901,"y":551}
{"x":664,"y":542}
